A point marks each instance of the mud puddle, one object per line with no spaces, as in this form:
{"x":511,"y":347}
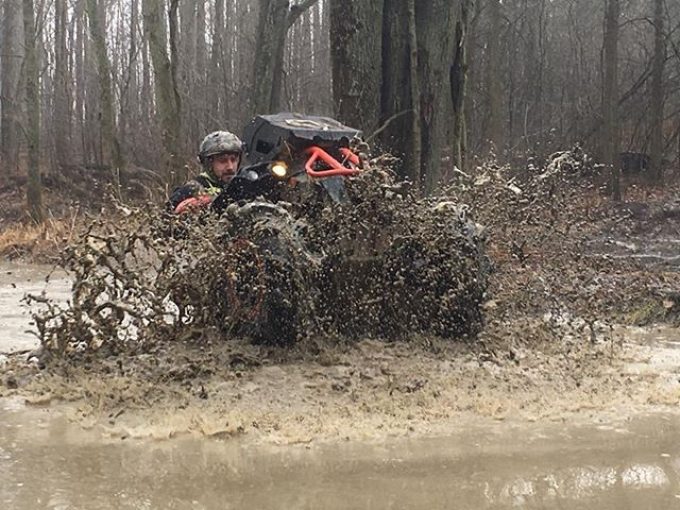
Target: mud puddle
{"x":591,"y":429}
{"x":47,"y":463}
{"x":17,"y":280}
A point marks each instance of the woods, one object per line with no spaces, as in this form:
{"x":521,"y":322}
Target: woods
{"x":110,"y":85}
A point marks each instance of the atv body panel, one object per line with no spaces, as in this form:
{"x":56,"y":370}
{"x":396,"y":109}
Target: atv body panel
{"x":288,"y":135}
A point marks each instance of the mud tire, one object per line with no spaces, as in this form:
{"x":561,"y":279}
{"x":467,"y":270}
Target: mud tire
{"x":274,"y":281}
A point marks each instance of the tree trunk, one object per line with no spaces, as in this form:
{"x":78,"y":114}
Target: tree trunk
{"x":201,"y":76}
{"x":416,"y":139}
{"x":187,"y":81}
{"x":79,"y":63}
{"x":62,"y":97}
{"x":434,"y":20}
{"x":165,"y":87}
{"x":178,"y":147}
{"x":111,"y":153}
{"x":610,"y":138}
{"x":271,"y":37}
{"x":277,"y":102}
{"x":31,"y":70}
{"x":356,"y":37}
{"x":657,"y":96}
{"x":217,"y":62}
{"x":459,"y":75}
{"x":275,"y":18}
{"x":399,"y":97}
{"x":494,"y":131}
{"x":129,"y":109}
{"x":11,"y":53}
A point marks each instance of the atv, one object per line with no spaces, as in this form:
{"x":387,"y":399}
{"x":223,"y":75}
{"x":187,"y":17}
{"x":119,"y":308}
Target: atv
{"x":320,"y":241}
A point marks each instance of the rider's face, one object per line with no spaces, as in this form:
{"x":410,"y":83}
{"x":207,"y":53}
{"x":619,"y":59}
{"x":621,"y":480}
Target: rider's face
{"x":224,"y":166}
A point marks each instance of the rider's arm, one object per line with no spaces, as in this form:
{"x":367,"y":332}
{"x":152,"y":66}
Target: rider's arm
{"x":180,"y":194}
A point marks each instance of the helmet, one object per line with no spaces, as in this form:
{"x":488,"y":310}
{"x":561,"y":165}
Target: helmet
{"x":219,"y":142}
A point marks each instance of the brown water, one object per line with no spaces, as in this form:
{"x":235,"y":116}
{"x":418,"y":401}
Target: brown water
{"x":17,"y":280}
{"x":47,"y":463}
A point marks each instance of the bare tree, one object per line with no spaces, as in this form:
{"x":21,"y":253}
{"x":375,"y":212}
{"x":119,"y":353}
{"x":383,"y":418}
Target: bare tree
{"x":11,"y":55}
{"x":356,"y":55}
{"x":495,"y":119}
{"x":110,"y":145}
{"x":417,"y":132}
{"x":167,"y":97}
{"x":656,"y":103}
{"x":610,"y":96}
{"x":459,"y":76}
{"x":275,"y":18}
{"x":34,"y":191}
{"x":62,"y":97}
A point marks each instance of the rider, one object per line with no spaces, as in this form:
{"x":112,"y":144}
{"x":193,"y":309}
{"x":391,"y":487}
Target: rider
{"x":220,"y":155}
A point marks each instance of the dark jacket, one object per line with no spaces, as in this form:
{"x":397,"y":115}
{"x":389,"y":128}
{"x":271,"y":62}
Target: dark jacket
{"x":203,"y":184}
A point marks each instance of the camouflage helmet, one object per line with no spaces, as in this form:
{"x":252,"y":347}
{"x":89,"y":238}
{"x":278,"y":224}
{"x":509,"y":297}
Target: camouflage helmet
{"x":219,"y":142}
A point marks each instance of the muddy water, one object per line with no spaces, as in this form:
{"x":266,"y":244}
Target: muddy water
{"x":47,"y":463}
{"x":17,"y":280}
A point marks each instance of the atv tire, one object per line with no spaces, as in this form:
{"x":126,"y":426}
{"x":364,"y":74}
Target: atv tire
{"x":268,"y":288}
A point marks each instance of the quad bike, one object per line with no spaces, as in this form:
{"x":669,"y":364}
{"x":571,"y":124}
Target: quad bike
{"x":317,"y":240}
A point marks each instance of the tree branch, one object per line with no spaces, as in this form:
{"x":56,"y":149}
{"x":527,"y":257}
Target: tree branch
{"x":296,"y":11}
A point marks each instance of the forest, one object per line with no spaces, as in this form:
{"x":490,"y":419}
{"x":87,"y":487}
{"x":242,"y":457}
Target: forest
{"x":124,"y":90}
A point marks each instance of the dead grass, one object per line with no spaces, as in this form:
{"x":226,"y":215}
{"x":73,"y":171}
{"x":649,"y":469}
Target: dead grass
{"x":38,"y":242}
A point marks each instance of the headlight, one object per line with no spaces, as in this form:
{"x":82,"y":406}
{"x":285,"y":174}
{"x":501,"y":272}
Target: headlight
{"x":279,"y":169}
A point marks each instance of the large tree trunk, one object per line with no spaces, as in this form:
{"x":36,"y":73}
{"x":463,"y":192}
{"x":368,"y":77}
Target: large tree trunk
{"x":412,"y":85}
{"x":165,"y":86}
{"x":459,"y":76}
{"x":657,"y":96}
{"x":356,"y":37}
{"x":11,"y":53}
{"x":610,"y":138}
{"x":110,"y":145}
{"x":399,"y":96}
{"x":31,"y":70}
{"x":174,"y":77}
{"x":271,"y":37}
{"x":434,"y":20}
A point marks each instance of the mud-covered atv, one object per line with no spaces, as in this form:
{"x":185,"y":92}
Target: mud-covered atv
{"x":320,"y":242}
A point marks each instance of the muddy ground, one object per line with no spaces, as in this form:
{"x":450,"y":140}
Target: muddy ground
{"x":372,"y":390}
{"x":610,"y":354}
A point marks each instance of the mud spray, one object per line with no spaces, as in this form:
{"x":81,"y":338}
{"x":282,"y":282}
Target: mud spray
{"x":405,"y":309}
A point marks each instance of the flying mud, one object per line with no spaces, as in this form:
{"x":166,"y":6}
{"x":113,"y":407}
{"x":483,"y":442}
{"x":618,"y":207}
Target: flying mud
{"x":394,"y":314}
